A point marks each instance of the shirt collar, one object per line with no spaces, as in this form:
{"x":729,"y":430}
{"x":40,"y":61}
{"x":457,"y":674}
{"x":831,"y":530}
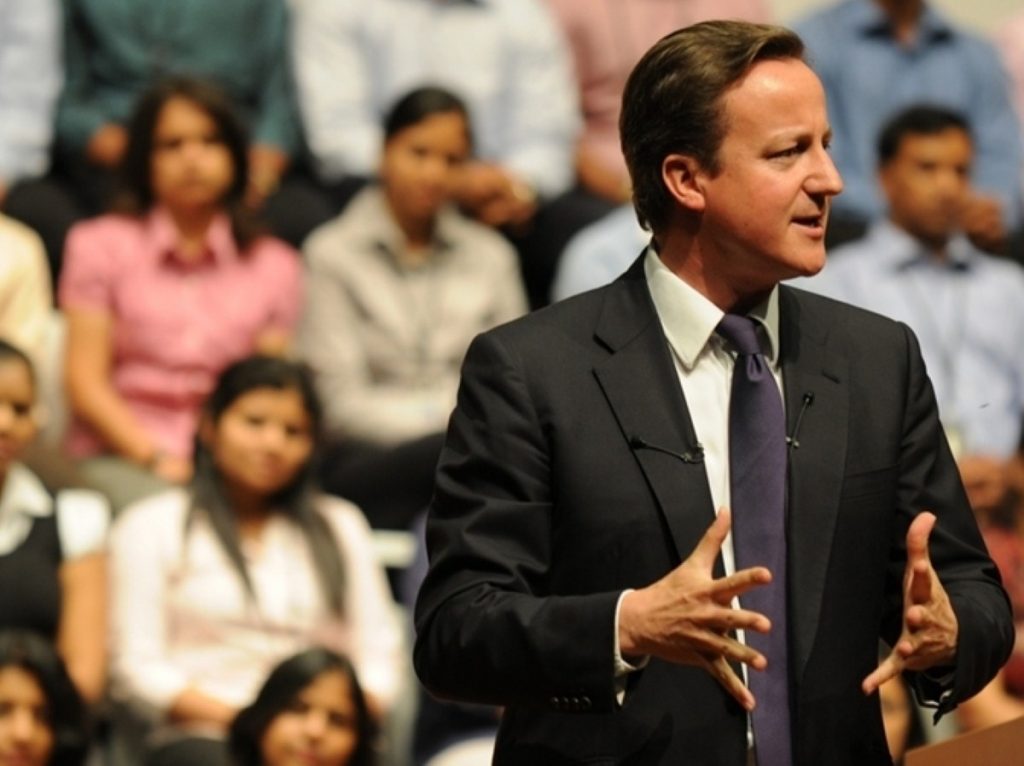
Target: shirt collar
{"x":689,"y":319}
{"x":872,"y":21}
{"x":898,"y":250}
{"x":220,"y":239}
{"x":23,"y":494}
{"x":382,"y":232}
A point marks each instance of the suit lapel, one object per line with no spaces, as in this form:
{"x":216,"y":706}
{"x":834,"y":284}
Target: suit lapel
{"x":642,"y":387}
{"x":815,"y":464}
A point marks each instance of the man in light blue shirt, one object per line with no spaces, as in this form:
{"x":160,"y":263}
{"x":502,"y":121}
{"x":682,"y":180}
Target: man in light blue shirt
{"x":876,"y":57}
{"x":599,"y":253}
{"x":967,"y":308}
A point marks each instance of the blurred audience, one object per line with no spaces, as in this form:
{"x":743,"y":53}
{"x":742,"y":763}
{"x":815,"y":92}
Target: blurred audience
{"x":163,"y":294}
{"x":216,"y":584}
{"x":53,"y":575}
{"x":599,"y":253}
{"x":876,"y":57}
{"x":310,"y":710}
{"x":965,"y":307}
{"x":1003,"y":529}
{"x":42,"y":719}
{"x":26,"y":295}
{"x":30,"y":79}
{"x":115,"y":51}
{"x":607,"y":38}
{"x":506,"y":58}
{"x":398,"y":285}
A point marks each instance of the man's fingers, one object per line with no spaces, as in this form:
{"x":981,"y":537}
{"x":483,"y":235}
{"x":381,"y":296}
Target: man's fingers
{"x":707,"y":549}
{"x":919,"y":590}
{"x":917,"y":537}
{"x":888,"y":668}
{"x":725,"y":589}
{"x":726,"y":676}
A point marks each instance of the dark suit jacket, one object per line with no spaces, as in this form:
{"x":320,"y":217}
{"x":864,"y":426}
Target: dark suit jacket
{"x":546,"y":509}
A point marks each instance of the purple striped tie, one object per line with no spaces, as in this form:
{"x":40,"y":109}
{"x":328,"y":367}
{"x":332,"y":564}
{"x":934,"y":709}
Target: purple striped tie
{"x":757,"y":468}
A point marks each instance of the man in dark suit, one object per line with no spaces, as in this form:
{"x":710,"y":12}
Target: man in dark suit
{"x":580,"y":575}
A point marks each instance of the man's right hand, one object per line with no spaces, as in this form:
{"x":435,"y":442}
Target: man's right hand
{"x":687,"y":617}
{"x":107,"y":145}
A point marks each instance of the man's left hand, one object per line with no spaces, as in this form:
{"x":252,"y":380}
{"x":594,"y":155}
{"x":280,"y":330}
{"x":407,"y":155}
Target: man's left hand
{"x":930,"y":629}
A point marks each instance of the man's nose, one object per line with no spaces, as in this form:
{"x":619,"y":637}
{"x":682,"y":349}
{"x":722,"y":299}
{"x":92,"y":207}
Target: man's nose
{"x":825,"y":179}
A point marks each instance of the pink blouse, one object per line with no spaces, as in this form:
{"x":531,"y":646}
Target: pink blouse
{"x":176,"y":324}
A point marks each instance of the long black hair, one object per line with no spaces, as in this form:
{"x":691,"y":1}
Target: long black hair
{"x":134,"y":190}
{"x":296,"y":501}
{"x":279,"y":691}
{"x":36,"y":656}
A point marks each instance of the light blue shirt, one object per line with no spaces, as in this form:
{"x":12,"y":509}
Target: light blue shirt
{"x":967,"y":312}
{"x":505,"y":58}
{"x":30,"y":81}
{"x":868,"y":77}
{"x":599,"y":253}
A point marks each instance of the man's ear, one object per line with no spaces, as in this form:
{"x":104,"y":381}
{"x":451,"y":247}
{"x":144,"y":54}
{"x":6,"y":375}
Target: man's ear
{"x":683,"y":176}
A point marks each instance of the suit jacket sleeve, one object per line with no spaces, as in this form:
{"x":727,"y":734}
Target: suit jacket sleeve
{"x":929,"y":480}
{"x":489,"y":627}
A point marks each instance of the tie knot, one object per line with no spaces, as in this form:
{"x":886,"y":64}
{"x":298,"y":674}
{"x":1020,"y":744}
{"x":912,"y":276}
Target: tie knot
{"x":741,"y":332}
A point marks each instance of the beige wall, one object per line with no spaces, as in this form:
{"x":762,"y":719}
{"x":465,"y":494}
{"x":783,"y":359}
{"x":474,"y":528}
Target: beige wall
{"x":984,"y":15}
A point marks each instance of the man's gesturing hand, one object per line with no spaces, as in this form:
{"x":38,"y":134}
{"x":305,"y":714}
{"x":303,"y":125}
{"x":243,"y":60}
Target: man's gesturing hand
{"x":929,"y":625}
{"x":686,"y":616}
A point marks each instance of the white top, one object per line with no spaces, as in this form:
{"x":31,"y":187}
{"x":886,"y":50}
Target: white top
{"x":83,"y":516}
{"x":181,"y":616}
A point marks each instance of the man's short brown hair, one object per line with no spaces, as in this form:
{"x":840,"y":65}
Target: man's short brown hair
{"x":672,"y":102}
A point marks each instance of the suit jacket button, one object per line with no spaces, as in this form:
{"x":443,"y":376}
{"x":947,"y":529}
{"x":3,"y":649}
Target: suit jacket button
{"x":585,"y":703}
{"x":555,"y":702}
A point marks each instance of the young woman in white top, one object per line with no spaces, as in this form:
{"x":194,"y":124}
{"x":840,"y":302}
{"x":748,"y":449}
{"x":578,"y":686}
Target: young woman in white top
{"x":215,"y":584}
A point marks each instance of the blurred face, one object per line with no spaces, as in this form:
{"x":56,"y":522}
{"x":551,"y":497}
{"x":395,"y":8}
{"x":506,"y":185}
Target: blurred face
{"x":421,"y":164}
{"x":317,"y":729}
{"x":26,"y":738}
{"x":766,"y":209}
{"x":17,"y":417}
{"x":927,"y":184}
{"x":262,"y":440}
{"x":191,"y":166}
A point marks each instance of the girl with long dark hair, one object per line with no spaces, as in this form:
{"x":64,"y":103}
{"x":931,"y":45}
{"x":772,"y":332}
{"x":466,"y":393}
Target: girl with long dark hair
{"x":215,"y":584}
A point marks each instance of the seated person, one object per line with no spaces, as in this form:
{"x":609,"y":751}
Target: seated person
{"x":42,"y":718}
{"x":52,"y":546}
{"x":215,"y":584}
{"x":30,"y":81}
{"x":26,"y":295}
{"x":1003,"y":529}
{"x":606,"y":40}
{"x":879,"y":57}
{"x":916,"y":265}
{"x":311,"y":709}
{"x":505,"y":58}
{"x":599,"y":253}
{"x":115,"y":51}
{"x":163,"y":294}
{"x":398,"y":285}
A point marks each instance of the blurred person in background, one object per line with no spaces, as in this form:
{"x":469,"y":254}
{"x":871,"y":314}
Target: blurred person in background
{"x":215,"y":584}
{"x":53,"y":563}
{"x":311,"y":709}
{"x":42,"y":719}
{"x":164,"y":293}
{"x":398,"y":285}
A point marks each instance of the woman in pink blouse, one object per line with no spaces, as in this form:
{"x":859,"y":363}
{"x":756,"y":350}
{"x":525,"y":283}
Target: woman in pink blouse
{"x":165,"y":292}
